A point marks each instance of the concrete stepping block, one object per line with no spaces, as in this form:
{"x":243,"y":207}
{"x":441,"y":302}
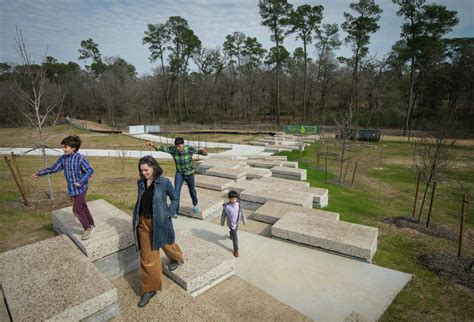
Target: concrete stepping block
{"x":259,"y":195}
{"x":321,"y":196}
{"x":226,"y":172}
{"x":337,"y":236}
{"x":267,"y":157}
{"x":209,"y":202}
{"x":275,"y":149}
{"x":289,"y":173}
{"x":212,"y":182}
{"x":206,"y":264}
{"x":258,"y":173}
{"x":53,"y":280}
{"x":268,"y":164}
{"x":272,"y":211}
{"x":240,"y":186}
{"x":230,"y":164}
{"x":290,"y":164}
{"x":111,"y":247}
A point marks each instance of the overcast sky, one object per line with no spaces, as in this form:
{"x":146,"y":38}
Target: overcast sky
{"x":118,"y":26}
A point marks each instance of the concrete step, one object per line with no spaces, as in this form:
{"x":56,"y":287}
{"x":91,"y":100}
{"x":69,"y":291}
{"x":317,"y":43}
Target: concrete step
{"x":53,"y":280}
{"x":258,"y":173}
{"x":256,"y":196}
{"x":213,"y":183}
{"x":289,"y":173}
{"x":268,"y":164}
{"x":210,"y":203}
{"x":111,"y":247}
{"x":272,"y":211}
{"x":205,"y":266}
{"x":337,"y":236}
{"x":320,"y":195}
{"x":226,"y":172}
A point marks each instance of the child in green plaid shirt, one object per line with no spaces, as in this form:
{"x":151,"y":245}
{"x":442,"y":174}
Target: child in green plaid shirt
{"x":183,"y":156}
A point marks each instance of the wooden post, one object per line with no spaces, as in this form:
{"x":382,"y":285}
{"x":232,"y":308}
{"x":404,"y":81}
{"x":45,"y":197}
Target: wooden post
{"x":463,"y":202}
{"x":18,"y":172}
{"x":431,"y":204}
{"x":353,"y":174}
{"x":416,"y":194}
{"x":23,"y":195}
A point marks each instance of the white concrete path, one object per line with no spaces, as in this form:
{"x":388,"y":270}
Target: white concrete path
{"x":323,"y":286}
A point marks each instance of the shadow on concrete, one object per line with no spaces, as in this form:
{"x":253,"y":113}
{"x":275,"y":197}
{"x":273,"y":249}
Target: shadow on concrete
{"x":213,"y":238}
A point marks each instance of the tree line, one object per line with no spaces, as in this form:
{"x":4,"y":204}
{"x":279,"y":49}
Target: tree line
{"x":423,"y":76}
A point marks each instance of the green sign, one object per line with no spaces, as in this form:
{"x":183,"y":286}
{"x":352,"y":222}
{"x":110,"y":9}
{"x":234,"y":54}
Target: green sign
{"x":302,"y":129}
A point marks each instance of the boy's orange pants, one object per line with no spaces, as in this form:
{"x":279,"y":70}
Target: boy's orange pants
{"x":151,"y":277}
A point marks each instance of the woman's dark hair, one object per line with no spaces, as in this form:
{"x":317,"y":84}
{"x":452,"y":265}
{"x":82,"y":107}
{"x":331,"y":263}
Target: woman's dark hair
{"x":151,"y":162}
{"x":73,"y":141}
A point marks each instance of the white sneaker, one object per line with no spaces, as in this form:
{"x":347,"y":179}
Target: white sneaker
{"x":88,"y":232}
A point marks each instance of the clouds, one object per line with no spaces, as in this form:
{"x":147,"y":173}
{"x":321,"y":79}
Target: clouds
{"x":118,"y":25}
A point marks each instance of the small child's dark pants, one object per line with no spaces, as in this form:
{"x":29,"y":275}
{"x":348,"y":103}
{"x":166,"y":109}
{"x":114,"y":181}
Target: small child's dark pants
{"x":235,"y":240}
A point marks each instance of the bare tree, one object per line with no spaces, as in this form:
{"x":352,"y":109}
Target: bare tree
{"x":40,"y":101}
{"x":431,"y":154}
{"x":344,"y":133}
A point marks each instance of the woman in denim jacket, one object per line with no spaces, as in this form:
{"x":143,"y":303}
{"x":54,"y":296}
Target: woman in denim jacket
{"x":153,"y":228}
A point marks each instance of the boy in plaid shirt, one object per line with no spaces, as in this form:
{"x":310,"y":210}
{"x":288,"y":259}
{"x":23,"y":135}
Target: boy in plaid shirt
{"x":77,"y":172}
{"x":183,"y":157}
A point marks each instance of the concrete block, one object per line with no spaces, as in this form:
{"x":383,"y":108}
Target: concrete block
{"x":113,"y":229}
{"x":240,"y":186}
{"x":289,"y":173}
{"x":258,"y":173}
{"x":263,"y":194}
{"x":336,"y":236}
{"x":268,"y":164}
{"x":120,"y":263}
{"x":206,"y":264}
{"x":289,"y":164}
{"x":212,"y":182}
{"x":210,"y":203}
{"x":225,"y":172}
{"x":216,"y":162}
{"x":53,"y":280}
{"x":272,"y":211}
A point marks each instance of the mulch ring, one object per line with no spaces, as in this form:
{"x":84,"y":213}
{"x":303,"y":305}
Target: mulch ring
{"x":433,"y":229}
{"x":39,"y":201}
{"x":458,"y":270}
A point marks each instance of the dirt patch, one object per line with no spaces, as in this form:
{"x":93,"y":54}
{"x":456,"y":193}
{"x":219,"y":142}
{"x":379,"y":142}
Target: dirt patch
{"x":433,"y":229}
{"x":458,"y":270}
{"x":39,"y":201}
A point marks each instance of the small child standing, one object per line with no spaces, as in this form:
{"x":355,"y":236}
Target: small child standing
{"x":77,"y":172}
{"x":233,"y":213}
